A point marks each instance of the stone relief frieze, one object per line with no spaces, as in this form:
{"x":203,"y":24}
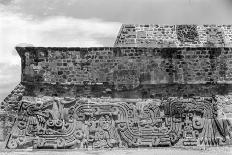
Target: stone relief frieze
{"x":52,"y":122}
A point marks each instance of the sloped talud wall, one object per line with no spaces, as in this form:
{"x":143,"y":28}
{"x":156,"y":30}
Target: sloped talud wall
{"x":52,"y":122}
{"x":120,"y":97}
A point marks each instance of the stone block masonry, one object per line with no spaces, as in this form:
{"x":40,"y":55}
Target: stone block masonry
{"x":161,"y":85}
{"x":153,"y":35}
{"x":126,"y":67}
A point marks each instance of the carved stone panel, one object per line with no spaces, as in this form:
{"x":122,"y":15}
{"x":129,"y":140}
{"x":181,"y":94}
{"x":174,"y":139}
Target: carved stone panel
{"x":52,"y":122}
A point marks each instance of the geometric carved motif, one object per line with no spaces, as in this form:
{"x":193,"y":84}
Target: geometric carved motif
{"x":53,"y":122}
{"x":187,"y":33}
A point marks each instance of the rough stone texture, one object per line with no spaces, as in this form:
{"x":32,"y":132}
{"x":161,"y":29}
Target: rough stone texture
{"x":152,"y":35}
{"x":174,"y":91}
{"x":126,"y":66}
{"x":53,"y":122}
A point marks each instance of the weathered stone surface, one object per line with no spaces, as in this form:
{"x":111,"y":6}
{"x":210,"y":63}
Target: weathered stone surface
{"x":53,"y":122}
{"x":126,"y":67}
{"x":174,"y":91}
{"x":153,"y":35}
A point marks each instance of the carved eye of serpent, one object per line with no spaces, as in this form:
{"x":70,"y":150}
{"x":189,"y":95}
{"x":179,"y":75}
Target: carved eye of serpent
{"x":59,"y":123}
{"x":50,"y":123}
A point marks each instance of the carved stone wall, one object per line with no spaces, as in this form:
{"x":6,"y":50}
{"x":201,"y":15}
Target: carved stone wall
{"x":162,"y":85}
{"x":53,"y":122}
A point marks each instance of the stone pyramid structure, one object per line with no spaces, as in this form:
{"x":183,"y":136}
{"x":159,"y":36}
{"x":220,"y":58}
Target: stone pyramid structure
{"x":160,"y":85}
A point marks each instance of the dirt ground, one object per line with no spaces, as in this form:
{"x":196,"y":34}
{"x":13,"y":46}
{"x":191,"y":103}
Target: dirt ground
{"x":154,"y":151}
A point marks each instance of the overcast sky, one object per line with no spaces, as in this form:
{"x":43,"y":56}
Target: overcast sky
{"x":89,"y":23}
